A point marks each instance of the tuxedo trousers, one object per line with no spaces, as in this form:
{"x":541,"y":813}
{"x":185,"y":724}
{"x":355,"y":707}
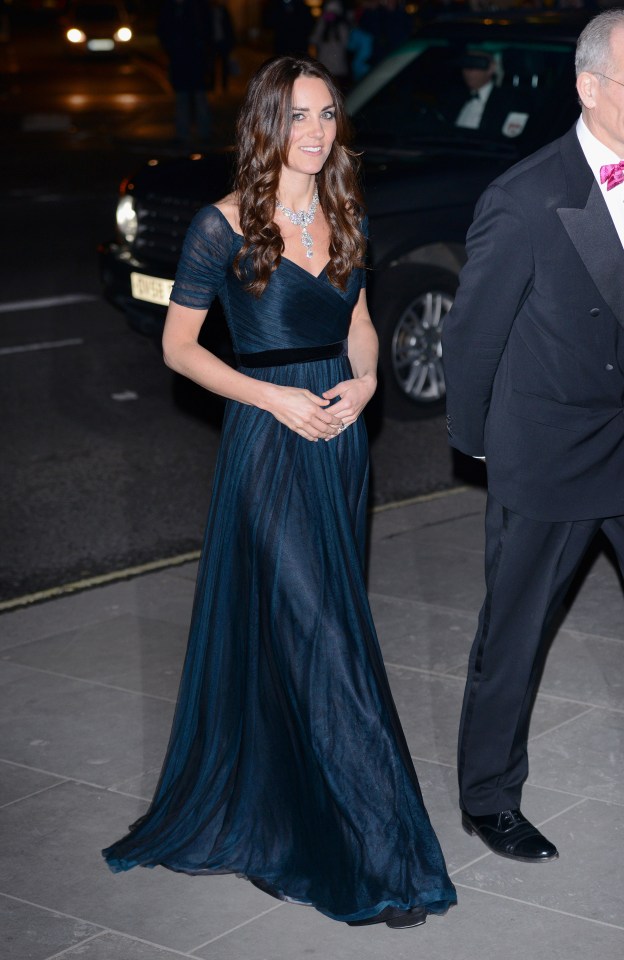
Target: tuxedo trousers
{"x":529,"y":565}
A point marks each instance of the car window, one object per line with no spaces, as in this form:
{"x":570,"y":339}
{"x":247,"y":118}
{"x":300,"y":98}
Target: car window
{"x":418,"y":96}
{"x":95,"y":12}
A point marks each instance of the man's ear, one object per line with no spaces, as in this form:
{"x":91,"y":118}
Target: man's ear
{"x":586,"y":85}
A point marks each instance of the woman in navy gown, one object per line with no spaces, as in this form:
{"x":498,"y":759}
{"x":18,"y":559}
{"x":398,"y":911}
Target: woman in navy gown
{"x":287,"y":764}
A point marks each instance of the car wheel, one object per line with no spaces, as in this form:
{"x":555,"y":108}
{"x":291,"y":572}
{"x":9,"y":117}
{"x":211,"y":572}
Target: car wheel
{"x":412,"y":303}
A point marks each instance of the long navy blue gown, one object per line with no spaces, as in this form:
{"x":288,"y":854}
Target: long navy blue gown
{"x":287,"y":763}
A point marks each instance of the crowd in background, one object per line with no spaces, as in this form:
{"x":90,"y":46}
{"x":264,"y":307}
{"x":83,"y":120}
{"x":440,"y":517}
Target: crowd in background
{"x":198,"y":37}
{"x":349,"y":37}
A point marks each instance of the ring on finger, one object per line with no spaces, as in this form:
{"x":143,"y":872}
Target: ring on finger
{"x":342,"y":427}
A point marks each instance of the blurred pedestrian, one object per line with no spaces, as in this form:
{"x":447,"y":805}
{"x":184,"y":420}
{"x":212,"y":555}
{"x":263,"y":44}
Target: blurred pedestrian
{"x":534,"y":371}
{"x":185,"y":32}
{"x":222,"y":40}
{"x":330,"y":39}
{"x":291,"y":22}
{"x":389,"y":24}
{"x":360,"y":45}
{"x":287,"y":764}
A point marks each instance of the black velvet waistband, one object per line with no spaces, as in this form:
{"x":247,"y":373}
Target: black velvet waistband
{"x":279,"y":358}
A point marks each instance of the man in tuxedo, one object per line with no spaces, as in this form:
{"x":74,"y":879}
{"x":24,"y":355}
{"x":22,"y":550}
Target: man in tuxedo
{"x":534,"y":358}
{"x":480,"y":104}
{"x":478,"y":74}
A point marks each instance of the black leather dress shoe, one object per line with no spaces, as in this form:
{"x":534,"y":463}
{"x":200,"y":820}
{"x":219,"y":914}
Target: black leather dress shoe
{"x":408,"y":918}
{"x":395,"y":918}
{"x":509,"y":834}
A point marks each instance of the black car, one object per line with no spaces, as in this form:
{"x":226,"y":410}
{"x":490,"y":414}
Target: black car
{"x":97,"y":27}
{"x":423,"y":175}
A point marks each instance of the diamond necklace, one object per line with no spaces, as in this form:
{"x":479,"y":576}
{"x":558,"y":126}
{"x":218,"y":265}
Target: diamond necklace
{"x":302,"y":219}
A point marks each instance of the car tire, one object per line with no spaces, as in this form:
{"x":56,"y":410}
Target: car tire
{"x":409,"y":307}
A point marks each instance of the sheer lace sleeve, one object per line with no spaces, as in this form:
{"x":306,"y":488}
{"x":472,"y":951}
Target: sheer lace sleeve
{"x":204,"y":261}
{"x":366,"y":263}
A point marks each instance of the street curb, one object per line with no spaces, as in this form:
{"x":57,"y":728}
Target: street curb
{"x":128,"y":573}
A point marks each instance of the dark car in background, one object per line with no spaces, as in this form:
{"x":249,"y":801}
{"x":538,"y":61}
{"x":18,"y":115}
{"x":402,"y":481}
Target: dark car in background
{"x":422,"y":177}
{"x":97,"y":27}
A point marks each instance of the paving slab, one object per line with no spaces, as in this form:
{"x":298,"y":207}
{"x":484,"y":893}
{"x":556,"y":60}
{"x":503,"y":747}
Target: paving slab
{"x":585,"y":667}
{"x":166,"y":594}
{"x":75,"y":728}
{"x":421,"y":635}
{"x":599,"y":605}
{"x":18,"y":782}
{"x":437,"y":571}
{"x":142,"y":654}
{"x":430,"y":511}
{"x":583,"y":757}
{"x":113,"y":946}
{"x":30,"y":933}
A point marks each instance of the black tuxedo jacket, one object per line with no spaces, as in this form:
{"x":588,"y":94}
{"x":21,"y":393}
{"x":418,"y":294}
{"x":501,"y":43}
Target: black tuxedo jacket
{"x":534,"y":344}
{"x":500,"y":103}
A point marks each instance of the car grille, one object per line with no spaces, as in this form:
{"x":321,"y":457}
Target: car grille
{"x":163,"y":222}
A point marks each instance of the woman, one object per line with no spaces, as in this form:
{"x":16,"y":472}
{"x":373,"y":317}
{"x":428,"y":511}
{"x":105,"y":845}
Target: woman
{"x":330,"y":39}
{"x":287,"y":764}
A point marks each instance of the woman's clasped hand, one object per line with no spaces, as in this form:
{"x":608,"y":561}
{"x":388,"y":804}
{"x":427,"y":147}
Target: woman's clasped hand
{"x":307,"y":414}
{"x":322,"y":418}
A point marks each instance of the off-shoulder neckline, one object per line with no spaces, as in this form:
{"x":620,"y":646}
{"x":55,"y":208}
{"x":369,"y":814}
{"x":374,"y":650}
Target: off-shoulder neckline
{"x":315,"y":276}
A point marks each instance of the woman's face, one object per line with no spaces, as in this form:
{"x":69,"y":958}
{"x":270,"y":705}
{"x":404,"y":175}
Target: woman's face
{"x":313,"y":128}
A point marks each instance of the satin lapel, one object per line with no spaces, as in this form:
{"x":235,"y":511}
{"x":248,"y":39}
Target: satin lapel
{"x":592,"y":232}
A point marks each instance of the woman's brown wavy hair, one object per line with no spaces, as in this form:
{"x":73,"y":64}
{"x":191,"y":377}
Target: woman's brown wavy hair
{"x":263,"y":137}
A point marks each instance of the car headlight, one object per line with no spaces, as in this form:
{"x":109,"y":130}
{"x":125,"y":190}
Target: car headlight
{"x":127,"y":221}
{"x":74,"y":35}
{"x":123,"y":35}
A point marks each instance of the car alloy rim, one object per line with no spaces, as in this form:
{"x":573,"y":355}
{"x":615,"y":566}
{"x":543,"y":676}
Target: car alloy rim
{"x":417,"y":347}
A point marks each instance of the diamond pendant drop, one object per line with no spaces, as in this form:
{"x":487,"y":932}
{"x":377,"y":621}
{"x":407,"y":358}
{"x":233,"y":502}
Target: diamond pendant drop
{"x":302,"y":219}
{"x":307,"y":241}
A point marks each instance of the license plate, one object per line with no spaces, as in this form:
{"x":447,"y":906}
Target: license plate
{"x":100,"y":44}
{"x":150,"y":289}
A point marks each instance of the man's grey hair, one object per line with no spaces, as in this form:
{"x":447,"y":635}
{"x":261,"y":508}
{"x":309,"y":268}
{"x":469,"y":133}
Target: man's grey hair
{"x":593,"y":48}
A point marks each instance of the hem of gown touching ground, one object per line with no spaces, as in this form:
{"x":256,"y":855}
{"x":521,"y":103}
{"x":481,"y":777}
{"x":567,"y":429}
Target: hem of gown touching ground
{"x":438,"y":906}
{"x":438,"y":901}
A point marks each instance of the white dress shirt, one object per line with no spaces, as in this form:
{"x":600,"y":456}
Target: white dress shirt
{"x":470,"y":114}
{"x":597,"y":155}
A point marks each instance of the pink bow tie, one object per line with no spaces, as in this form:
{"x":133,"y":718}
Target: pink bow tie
{"x":613,"y":174}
